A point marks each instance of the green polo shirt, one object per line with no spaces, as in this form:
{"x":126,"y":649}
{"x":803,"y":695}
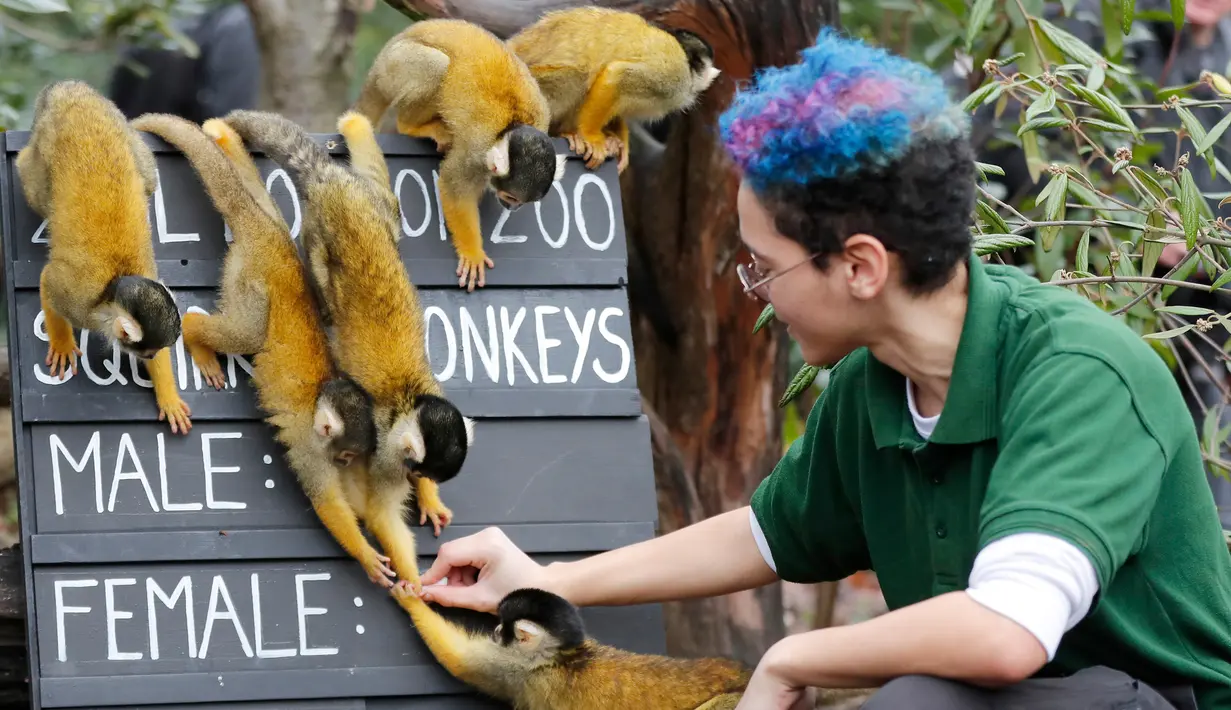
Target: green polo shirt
{"x":1059,"y":419}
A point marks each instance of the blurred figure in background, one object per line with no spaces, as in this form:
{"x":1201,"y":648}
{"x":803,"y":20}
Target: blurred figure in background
{"x":226,"y":74}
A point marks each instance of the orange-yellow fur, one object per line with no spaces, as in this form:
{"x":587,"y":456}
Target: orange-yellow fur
{"x":91,"y":177}
{"x":369,"y":303}
{"x":593,"y":676}
{"x":265,"y":308}
{"x":459,"y":85}
{"x":601,"y":68}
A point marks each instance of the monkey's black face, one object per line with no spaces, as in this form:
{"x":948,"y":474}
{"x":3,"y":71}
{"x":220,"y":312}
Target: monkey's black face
{"x":153,"y":307}
{"x":445,"y":439}
{"x":532,"y":168}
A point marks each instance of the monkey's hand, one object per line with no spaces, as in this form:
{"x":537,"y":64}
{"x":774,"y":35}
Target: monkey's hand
{"x":176,"y":411}
{"x":471,"y":266}
{"x":62,"y":351}
{"x":431,"y":506}
{"x":170,"y":406}
{"x":593,"y":149}
{"x":378,"y":569}
{"x":407,"y":597}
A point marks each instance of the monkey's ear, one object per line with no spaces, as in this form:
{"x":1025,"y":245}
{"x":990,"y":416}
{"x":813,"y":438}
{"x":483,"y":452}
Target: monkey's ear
{"x":498,"y":157}
{"x":528,"y":633}
{"x":469,"y":430}
{"x":126,"y":329}
{"x":326,"y":422}
{"x":411,"y":440}
{"x":561,"y":161}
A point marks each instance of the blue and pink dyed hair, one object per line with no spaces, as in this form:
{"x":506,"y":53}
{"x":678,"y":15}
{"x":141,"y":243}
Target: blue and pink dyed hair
{"x":846,"y":107}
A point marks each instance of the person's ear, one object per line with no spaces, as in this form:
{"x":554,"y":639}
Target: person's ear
{"x":866,"y":266}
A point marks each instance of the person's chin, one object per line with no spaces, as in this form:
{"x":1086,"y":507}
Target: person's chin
{"x":821,"y":356}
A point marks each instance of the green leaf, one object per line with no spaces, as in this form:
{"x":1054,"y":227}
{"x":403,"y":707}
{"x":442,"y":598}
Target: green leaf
{"x":1010,"y":59}
{"x":1043,"y":104}
{"x":1034,"y":157}
{"x":766,"y":316}
{"x":1054,"y":210}
{"x":1073,"y":47}
{"x":985,"y":168}
{"x":802,"y":381}
{"x":1128,"y":8}
{"x":1164,"y":335}
{"x":1113,"y":38}
{"x":1042,"y":123}
{"x":991,"y":217}
{"x":1094,"y":80}
{"x":1105,"y":125}
{"x":991,"y":243}
{"x":1185,"y":310}
{"x":1177,"y":13}
{"x":1083,"y":252}
{"x":1106,"y":104}
{"x":1222,"y":280}
{"x":1190,"y":206}
{"x":1152,"y":185}
{"x":988,"y":92}
{"x":1185,"y":271}
{"x":957,"y":7}
{"x":1152,"y":249}
{"x":1192,"y":125}
{"x":978,"y":18}
{"x":1215,"y":133}
{"x":1118,"y":166}
{"x":36,"y":6}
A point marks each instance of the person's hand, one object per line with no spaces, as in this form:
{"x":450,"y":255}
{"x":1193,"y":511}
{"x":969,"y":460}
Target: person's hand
{"x":481,"y":569}
{"x":769,"y":691}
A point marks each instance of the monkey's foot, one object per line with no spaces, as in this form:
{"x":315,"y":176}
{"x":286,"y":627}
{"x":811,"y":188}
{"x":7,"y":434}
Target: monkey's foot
{"x":593,"y":149}
{"x":207,"y":362}
{"x":470,"y":267}
{"x":616,"y":147}
{"x":62,"y":356}
{"x":432,"y":507}
{"x":176,"y":411}
{"x":379,"y":571}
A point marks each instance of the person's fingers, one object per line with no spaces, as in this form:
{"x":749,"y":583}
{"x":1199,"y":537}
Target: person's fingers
{"x":470,"y":551}
{"x":475,"y":597}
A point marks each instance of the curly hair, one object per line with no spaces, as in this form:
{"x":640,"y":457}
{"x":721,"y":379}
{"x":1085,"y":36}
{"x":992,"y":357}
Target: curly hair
{"x":854,"y":139}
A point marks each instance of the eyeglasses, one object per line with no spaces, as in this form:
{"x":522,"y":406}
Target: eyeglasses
{"x":754,"y":280}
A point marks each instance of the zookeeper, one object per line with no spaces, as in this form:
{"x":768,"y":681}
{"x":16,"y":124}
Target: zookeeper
{"x":1016,"y":465}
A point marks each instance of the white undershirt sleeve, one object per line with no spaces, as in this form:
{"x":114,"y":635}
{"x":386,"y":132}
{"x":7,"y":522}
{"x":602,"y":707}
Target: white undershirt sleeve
{"x":762,"y":543}
{"x":1042,"y":582}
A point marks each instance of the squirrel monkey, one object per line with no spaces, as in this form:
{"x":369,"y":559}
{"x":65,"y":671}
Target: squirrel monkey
{"x":265,"y":309}
{"x":601,"y":68}
{"x":90,"y":175}
{"x":458,"y":84}
{"x":538,"y":657}
{"x":350,"y":233}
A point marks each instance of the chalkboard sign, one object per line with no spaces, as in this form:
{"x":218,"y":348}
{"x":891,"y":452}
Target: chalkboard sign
{"x":189,"y":571}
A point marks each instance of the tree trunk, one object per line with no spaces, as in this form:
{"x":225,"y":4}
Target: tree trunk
{"x":306,"y":50}
{"x":710,"y":385}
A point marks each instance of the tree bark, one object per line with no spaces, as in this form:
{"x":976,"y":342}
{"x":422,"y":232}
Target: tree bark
{"x":306,"y":56}
{"x":14,"y":666}
{"x":710,"y":385}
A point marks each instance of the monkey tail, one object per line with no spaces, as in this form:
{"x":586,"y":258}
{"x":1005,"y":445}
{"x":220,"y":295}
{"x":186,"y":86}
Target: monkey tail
{"x":225,"y":186}
{"x":283,"y":142}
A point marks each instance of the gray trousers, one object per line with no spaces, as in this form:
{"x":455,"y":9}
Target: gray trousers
{"x":1098,"y":688}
